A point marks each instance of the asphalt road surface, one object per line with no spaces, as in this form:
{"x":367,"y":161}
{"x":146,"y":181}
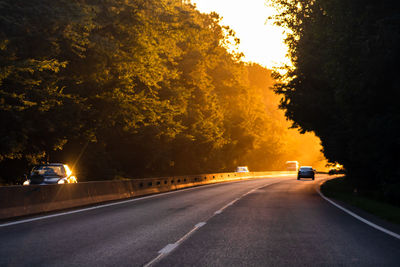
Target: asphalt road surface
{"x":276,"y":221}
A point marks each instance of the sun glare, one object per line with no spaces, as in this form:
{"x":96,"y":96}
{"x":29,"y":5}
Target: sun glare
{"x":260,"y":41}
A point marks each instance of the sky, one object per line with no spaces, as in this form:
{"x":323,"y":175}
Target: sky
{"x":260,"y":42}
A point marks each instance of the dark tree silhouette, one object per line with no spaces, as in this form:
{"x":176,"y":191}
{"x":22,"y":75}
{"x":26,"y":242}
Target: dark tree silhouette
{"x":343,"y":85}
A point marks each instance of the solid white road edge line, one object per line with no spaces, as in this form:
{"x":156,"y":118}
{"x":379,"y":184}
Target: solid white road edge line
{"x":386,"y":231}
{"x":122,"y":202}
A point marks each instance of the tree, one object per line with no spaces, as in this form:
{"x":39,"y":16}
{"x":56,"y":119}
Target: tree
{"x":342,"y":87}
{"x":31,"y":35}
{"x":129,"y":89}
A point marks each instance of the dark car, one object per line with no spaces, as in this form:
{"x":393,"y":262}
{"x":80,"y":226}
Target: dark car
{"x":336,"y":171}
{"x":52,"y":173}
{"x":306,"y":172}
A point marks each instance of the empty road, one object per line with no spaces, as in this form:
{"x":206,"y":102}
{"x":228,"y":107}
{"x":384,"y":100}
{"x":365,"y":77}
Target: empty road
{"x":275,"y":221}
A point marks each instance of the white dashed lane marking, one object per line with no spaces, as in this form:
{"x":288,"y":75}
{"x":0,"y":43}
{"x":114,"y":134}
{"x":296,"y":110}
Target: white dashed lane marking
{"x":171,"y":247}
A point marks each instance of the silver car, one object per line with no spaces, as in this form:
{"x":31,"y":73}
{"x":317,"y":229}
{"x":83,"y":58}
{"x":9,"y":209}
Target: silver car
{"x":242,"y":169}
{"x":52,"y":173}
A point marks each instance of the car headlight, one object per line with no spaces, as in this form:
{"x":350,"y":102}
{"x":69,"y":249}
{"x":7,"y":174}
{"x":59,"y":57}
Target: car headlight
{"x":26,"y":182}
{"x":61,"y":181}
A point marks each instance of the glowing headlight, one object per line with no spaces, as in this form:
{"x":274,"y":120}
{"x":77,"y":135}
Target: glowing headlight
{"x":27,"y":182}
{"x":67,"y":170}
{"x":61,"y":181}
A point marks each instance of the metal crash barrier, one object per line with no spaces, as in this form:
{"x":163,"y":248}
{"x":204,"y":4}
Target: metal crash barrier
{"x":16,"y":201}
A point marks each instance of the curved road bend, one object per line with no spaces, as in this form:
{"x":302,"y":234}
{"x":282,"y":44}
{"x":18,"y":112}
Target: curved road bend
{"x":264,"y":222}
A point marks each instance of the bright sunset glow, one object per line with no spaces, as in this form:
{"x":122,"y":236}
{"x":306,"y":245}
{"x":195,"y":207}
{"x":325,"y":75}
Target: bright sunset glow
{"x":260,"y":42}
{"x":263,"y":43}
{"x":338,"y":166}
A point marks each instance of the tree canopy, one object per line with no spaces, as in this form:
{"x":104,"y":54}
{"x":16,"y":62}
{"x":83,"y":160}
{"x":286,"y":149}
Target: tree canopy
{"x":128,"y":89}
{"x":343,"y":84}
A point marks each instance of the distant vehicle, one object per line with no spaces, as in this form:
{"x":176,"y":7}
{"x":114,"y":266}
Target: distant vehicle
{"x":292,"y":165}
{"x":336,"y":171}
{"x":242,"y":169}
{"x":306,"y":172}
{"x":52,"y":173}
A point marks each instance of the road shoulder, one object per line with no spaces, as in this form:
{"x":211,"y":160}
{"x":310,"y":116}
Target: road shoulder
{"x":368,"y":217}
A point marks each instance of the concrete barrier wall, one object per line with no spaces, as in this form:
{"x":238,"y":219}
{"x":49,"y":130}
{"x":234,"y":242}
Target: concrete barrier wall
{"x":16,"y":201}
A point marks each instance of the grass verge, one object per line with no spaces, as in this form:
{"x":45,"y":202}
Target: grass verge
{"x":340,"y":189}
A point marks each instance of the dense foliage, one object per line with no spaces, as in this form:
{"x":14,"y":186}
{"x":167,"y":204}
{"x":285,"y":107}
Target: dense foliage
{"x":129,"y":88}
{"x":343,"y":84}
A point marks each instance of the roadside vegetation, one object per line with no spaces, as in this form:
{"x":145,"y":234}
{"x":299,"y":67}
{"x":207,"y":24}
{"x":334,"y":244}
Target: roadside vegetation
{"x":343,"y":87}
{"x":134,"y":88}
{"x":371,"y":202}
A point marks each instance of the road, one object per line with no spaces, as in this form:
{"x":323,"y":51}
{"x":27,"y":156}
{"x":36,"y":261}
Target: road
{"x":276,"y":221}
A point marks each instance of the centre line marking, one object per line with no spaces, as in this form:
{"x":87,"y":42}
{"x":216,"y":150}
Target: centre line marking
{"x":171,"y":247}
{"x":168,"y":248}
{"x":200,"y":224}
